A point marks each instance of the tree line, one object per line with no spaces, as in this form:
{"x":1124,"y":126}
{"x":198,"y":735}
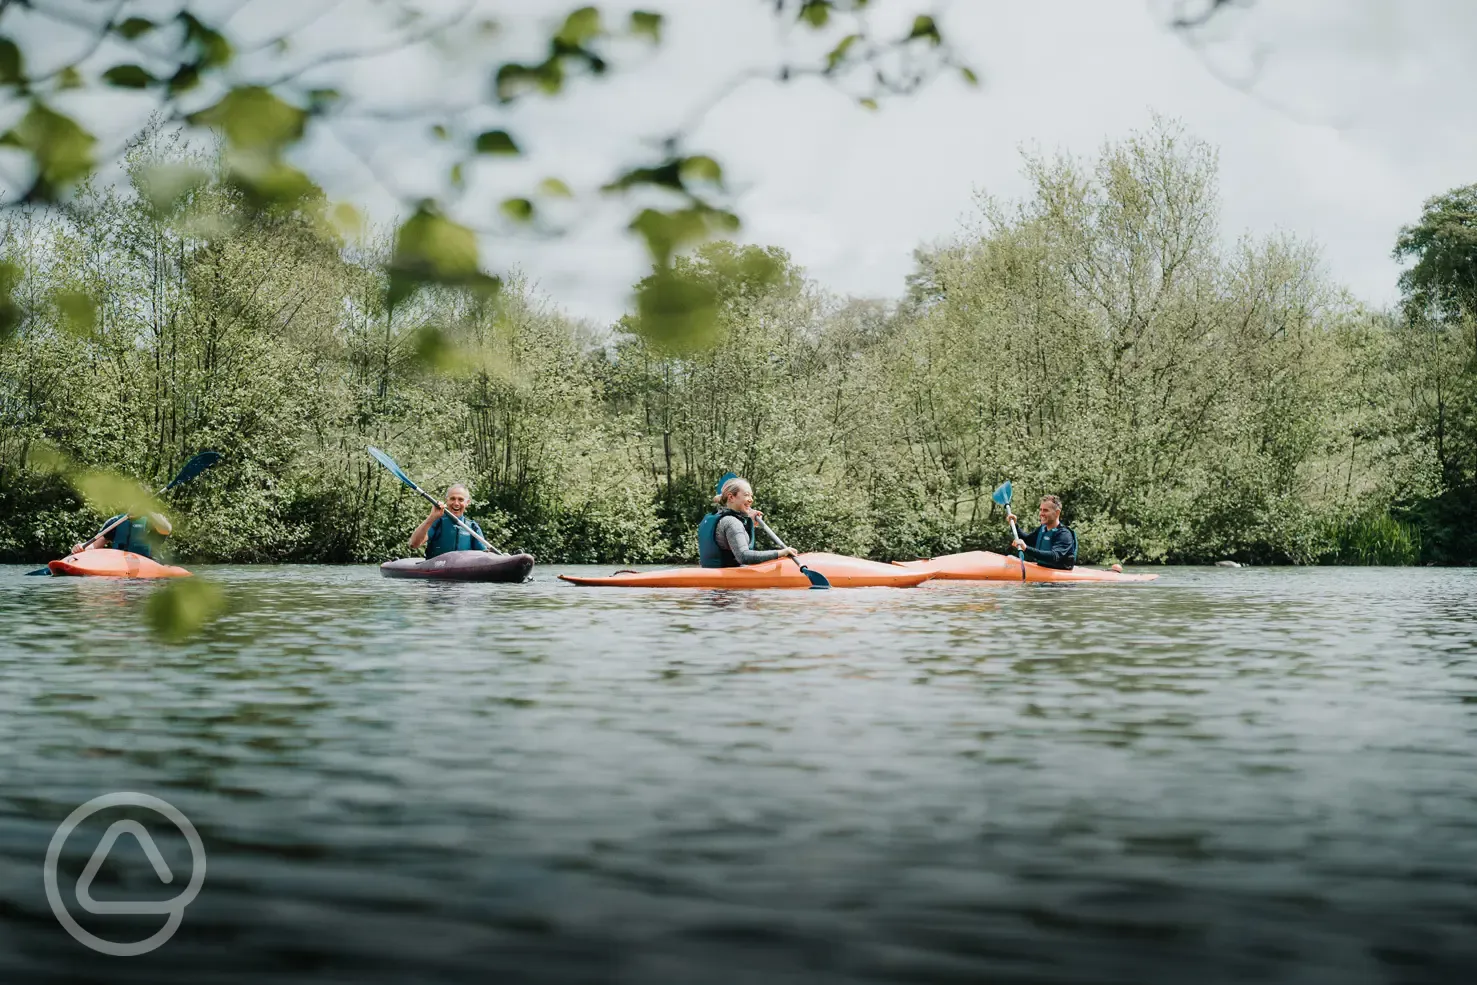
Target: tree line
{"x":1191,"y":397}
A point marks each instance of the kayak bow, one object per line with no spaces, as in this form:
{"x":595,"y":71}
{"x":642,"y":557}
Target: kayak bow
{"x":989,"y":566}
{"x":105,"y":562}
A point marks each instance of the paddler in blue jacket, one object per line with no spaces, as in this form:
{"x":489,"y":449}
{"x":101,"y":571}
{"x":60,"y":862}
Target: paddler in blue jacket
{"x":440,"y":533}
{"x":143,"y":534}
{"x":725,"y":539}
{"x":1051,"y":545}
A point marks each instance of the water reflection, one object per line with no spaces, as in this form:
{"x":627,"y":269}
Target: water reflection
{"x":1257,"y":775}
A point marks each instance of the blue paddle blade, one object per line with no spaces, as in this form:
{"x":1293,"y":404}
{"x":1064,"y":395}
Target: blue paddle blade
{"x":816,"y":579}
{"x":389,"y":463}
{"x":1002,"y":494}
{"x":718,"y":489}
{"x":194,"y":467}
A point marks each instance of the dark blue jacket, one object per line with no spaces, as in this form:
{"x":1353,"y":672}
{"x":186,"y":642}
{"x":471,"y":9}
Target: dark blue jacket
{"x":1052,"y":548}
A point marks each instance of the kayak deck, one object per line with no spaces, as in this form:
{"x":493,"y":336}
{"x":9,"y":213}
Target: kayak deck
{"x":840,"y":571}
{"x":105,"y":562}
{"x":462,"y":566}
{"x":989,"y":566}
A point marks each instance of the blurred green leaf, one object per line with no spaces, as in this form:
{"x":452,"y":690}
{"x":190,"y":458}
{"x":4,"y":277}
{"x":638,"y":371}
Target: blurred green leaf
{"x":128,"y":77}
{"x":78,"y":313}
{"x":580,"y":27}
{"x":134,"y":27}
{"x":181,"y":607}
{"x":11,"y":314}
{"x":554,"y":188}
{"x":666,"y":232}
{"x":676,"y":314}
{"x":267,"y":181}
{"x":496,"y":142}
{"x":816,"y":12}
{"x":924,"y":27}
{"x":867,"y":103}
{"x":321,"y":100}
{"x":109,"y":493}
{"x":212,"y":47}
{"x":457,"y":176}
{"x":12,"y":65}
{"x":514,"y":80}
{"x":430,"y":248}
{"x":838,"y":53}
{"x":665,"y":175}
{"x":61,"y":149}
{"x":700,"y":167}
{"x":254,"y":118}
{"x":969,"y":76}
{"x":433,"y":350}
{"x":166,"y":186}
{"x":69,"y":78}
{"x":184,"y":79}
{"x":347,"y":220}
{"x":645,"y":23}
{"x":517,"y":209}
{"x":440,"y":132}
{"x":46,"y":457}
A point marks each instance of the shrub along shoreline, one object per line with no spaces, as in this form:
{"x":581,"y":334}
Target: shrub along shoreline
{"x":1190,"y":399}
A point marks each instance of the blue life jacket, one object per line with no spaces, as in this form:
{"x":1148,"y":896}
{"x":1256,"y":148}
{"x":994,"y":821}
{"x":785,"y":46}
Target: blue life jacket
{"x":712,"y":554}
{"x":1045,"y":539}
{"x":445,"y":536}
{"x":133,"y":535}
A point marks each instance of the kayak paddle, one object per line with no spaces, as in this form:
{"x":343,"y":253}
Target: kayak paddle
{"x":1001,"y":495}
{"x":389,"y":463}
{"x":816,"y":579}
{"x":188,"y":471}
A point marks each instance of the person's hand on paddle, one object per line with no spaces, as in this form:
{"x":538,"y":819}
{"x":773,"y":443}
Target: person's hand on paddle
{"x":436,"y":512}
{"x":789,"y":552}
{"x":1018,"y":544}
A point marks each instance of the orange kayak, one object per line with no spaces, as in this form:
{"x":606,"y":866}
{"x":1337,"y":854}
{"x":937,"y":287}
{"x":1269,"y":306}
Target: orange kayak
{"x":842,"y":572}
{"x":104,"y":562}
{"x":989,"y":566}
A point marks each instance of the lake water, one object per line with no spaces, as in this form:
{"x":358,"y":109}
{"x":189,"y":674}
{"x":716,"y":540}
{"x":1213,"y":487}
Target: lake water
{"x":1254,"y":775}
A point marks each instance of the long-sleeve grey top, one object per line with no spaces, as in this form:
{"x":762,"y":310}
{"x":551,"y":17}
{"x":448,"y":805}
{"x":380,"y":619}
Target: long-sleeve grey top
{"x":731,"y":534}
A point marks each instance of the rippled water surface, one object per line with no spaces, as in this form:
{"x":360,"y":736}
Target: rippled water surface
{"x":1255,"y":775}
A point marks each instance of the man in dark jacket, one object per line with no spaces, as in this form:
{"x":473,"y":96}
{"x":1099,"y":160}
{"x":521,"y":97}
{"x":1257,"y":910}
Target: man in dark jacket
{"x":1051,"y":545}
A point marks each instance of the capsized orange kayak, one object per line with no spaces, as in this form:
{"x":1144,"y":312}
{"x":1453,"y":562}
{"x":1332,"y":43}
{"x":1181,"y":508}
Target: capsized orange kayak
{"x":989,"y":566}
{"x":104,"y":562}
{"x":840,"y":571}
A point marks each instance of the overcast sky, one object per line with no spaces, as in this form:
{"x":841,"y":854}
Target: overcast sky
{"x":1334,"y":120}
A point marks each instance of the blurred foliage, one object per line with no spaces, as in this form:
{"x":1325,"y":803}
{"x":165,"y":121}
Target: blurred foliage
{"x":1190,"y":399}
{"x":195,"y":64}
{"x":180,"y":607}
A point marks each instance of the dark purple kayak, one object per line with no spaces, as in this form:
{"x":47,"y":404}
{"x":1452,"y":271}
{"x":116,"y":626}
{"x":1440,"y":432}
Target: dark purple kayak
{"x":462,"y":566}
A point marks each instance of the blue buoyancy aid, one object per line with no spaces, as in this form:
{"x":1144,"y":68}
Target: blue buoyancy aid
{"x":134,"y":535}
{"x":1052,"y":546}
{"x":713,"y":554}
{"x":446,"y":536}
